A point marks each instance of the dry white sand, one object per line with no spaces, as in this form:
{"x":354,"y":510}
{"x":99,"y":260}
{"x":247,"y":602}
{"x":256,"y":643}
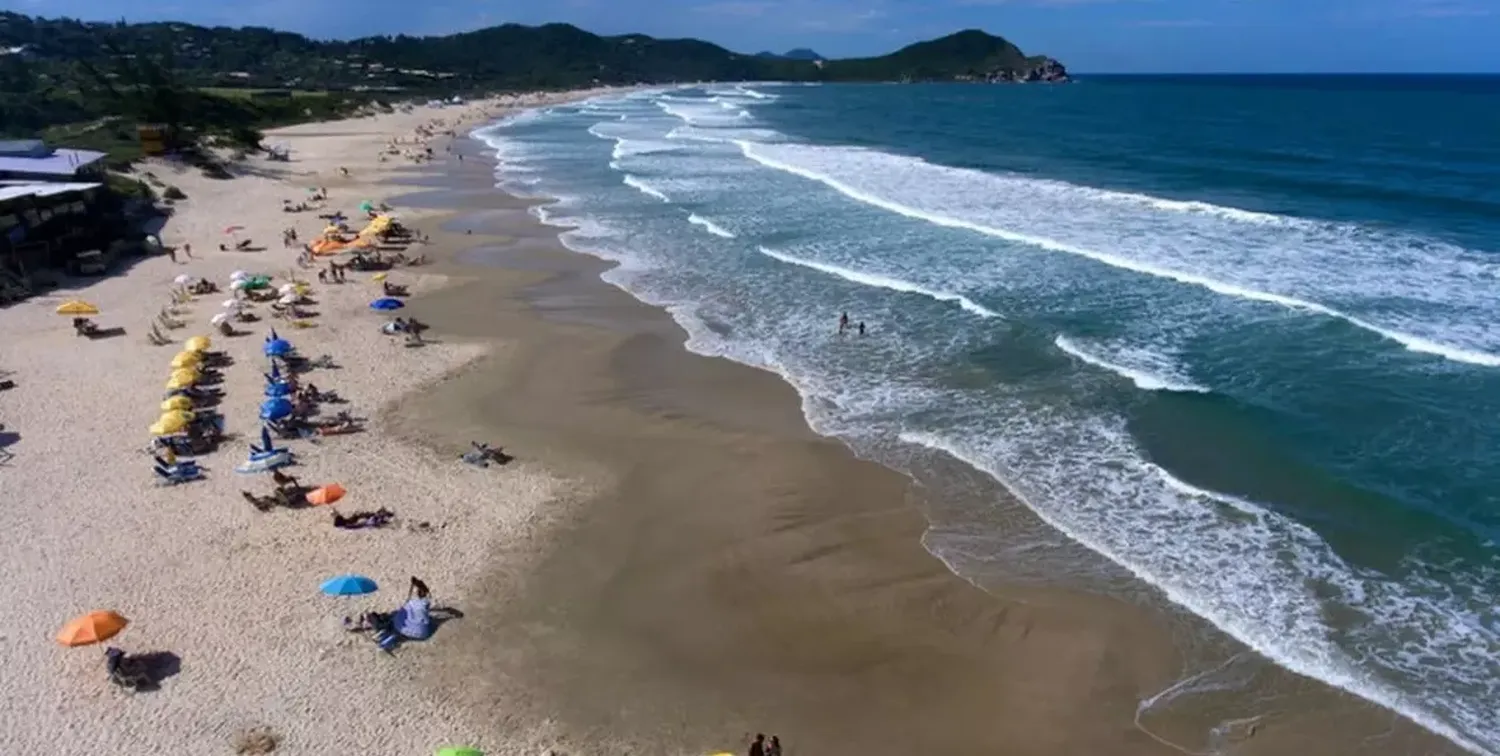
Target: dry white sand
{"x":200,"y":573}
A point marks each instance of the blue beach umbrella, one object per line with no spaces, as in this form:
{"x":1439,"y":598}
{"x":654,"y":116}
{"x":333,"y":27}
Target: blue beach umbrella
{"x":278,"y":348}
{"x":387,"y":303}
{"x":275,"y":374}
{"x":275,"y":409}
{"x":348,"y":585}
{"x":276,"y":389}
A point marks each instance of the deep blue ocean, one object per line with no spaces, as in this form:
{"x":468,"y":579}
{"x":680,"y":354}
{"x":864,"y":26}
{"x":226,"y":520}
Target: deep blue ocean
{"x":1236,"y":335}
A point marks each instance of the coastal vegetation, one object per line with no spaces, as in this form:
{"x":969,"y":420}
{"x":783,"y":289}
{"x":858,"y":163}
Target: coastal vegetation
{"x":234,"y":80}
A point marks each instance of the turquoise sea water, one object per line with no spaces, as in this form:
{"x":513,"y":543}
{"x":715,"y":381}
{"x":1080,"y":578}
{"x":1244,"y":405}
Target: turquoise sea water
{"x":1237,"y":335}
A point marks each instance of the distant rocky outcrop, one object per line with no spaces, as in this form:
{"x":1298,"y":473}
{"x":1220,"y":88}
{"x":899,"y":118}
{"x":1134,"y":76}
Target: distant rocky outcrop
{"x":970,"y":55}
{"x":800,"y":53}
{"x":1044,"y":69}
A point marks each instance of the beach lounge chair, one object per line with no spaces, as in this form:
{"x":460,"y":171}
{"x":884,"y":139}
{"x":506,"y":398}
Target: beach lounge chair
{"x":127,"y":672}
{"x":181,"y":472}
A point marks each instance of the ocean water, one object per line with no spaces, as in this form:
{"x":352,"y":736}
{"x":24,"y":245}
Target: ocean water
{"x":1234,"y":335}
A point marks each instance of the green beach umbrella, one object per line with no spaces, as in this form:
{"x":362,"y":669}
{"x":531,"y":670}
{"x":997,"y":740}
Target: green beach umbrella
{"x":459,"y":751}
{"x":366,"y":206}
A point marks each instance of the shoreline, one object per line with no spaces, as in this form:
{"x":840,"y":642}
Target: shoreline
{"x":1270,"y":729}
{"x":676,"y":559}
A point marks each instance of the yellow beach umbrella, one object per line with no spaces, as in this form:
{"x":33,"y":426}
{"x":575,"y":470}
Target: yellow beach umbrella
{"x":167,"y":425}
{"x":186,"y":360}
{"x":185,"y":375}
{"x":77,"y":307}
{"x":198,"y":344}
{"x":178,"y":382}
{"x":177,"y":403}
{"x":177,"y":415}
{"x":378,"y":277}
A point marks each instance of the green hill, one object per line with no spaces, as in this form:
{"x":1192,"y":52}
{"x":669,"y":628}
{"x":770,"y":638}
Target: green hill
{"x":62,"y":70}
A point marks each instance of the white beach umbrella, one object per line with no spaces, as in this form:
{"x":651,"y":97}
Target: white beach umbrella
{"x":239,"y":284}
{"x":233,"y":304}
{"x":237,"y":275}
{"x":288,"y":299}
{"x":287,"y":288}
{"x":182,"y":280}
{"x":219,"y":319}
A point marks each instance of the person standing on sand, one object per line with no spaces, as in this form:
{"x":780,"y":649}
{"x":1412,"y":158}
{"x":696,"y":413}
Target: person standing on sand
{"x":775,"y":748}
{"x":758,"y":748}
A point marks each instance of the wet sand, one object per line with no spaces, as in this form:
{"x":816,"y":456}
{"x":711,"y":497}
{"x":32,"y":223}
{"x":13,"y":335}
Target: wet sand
{"x":727,"y":571}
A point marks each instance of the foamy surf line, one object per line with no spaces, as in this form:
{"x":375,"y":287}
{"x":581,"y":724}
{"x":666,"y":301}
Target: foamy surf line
{"x":710,"y":226}
{"x":1140,"y":378}
{"x":881,"y":281}
{"x":1315,"y":658}
{"x":1409,"y":341}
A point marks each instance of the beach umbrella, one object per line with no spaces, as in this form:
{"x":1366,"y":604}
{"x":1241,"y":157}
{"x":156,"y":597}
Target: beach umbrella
{"x":94,"y":627}
{"x":278,"y":348}
{"x":77,"y":307}
{"x":378,"y":277}
{"x":186,"y":359}
{"x":239,"y":284}
{"x":275,"y":409}
{"x":234,"y":304}
{"x":172,"y":421}
{"x":164,"y":428}
{"x":289,"y":298}
{"x":176,"y":403}
{"x":278,"y":388}
{"x":198,"y":344}
{"x":182,"y":280}
{"x":287,"y":288}
{"x":366,"y":206}
{"x":258,"y":282}
{"x":275,"y":373}
{"x":348,"y":585}
{"x":387,"y":303}
{"x":458,"y":751}
{"x":237,"y":275}
{"x":272,"y":335}
{"x":175,"y":382}
{"x":326,"y":494}
{"x":184,"y":375}
{"x":219,"y":319}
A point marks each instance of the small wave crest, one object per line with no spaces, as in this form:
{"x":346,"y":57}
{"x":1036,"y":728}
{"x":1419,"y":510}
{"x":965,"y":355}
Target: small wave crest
{"x":758,"y":152}
{"x":635,"y":182}
{"x":1141,"y":378}
{"x":710,"y":226}
{"x":881,"y":281}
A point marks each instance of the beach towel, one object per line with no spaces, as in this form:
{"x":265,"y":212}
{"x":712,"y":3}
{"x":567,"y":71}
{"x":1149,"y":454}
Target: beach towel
{"x":413,"y":619}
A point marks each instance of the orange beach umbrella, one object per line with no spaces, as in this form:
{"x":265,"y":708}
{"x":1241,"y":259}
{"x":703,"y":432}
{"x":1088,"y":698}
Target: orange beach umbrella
{"x":326,"y":494}
{"x":93,"y":627}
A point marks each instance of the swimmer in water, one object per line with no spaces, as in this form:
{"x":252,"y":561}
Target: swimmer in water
{"x":843,"y":323}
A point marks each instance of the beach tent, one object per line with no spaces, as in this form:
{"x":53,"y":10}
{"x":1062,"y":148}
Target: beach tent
{"x":94,"y":627}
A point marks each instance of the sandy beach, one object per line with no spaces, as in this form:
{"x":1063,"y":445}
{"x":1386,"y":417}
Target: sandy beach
{"x":673,"y":562}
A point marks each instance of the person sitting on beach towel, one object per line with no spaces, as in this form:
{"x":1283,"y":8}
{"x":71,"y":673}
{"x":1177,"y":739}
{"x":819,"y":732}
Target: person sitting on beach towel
{"x":414,"y":619}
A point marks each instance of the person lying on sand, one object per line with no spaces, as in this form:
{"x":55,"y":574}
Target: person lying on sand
{"x":358,"y":520}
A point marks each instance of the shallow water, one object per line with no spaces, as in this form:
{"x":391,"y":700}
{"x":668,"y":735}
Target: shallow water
{"x":1233,"y":334}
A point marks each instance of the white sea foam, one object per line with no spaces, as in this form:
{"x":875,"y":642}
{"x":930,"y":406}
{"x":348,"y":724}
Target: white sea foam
{"x":1287,"y":262}
{"x":1142,"y":378}
{"x":882,"y":281}
{"x":635,"y":182}
{"x":710,"y":226}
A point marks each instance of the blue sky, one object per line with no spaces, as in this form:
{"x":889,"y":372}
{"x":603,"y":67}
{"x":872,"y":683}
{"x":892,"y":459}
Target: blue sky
{"x":1102,"y":36}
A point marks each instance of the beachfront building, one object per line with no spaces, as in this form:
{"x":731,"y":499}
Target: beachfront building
{"x":73,"y":226}
{"x":36,"y":161}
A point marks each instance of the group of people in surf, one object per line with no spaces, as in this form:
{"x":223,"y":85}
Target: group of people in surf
{"x":844,"y":325}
